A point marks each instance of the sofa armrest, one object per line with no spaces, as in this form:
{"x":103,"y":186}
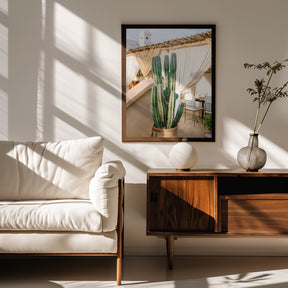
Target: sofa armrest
{"x":103,"y":192}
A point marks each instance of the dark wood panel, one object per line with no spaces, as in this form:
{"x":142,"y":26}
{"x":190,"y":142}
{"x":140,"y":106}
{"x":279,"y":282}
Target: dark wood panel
{"x":254,"y":215}
{"x":252,"y":185}
{"x":181,"y":204}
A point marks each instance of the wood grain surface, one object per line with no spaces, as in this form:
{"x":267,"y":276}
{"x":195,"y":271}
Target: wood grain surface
{"x":181,"y":204}
{"x":254,"y":215}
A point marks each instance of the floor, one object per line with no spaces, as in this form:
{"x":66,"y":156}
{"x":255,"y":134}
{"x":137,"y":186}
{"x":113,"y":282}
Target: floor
{"x":144,"y":271}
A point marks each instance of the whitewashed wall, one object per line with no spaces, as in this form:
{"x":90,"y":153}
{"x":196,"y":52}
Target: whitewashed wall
{"x":60,"y":78}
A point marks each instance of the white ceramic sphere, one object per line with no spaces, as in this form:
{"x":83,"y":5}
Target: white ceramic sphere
{"x":183,"y":156}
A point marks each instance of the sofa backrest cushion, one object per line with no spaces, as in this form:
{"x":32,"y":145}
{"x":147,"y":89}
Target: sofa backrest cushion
{"x":59,"y":170}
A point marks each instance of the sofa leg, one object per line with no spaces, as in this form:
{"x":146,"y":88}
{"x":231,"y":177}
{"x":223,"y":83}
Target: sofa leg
{"x":119,"y":270}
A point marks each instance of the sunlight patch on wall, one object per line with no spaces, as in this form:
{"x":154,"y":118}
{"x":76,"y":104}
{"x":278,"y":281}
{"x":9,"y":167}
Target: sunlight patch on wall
{"x":70,"y":33}
{"x":4,"y":6}
{"x":236,"y":136}
{"x":3,"y":51}
{"x":41,"y":78}
{"x":40,"y":98}
{"x":70,"y":92}
{"x":277,"y":157}
{"x":87,"y":106}
{"x":43,"y":20}
{"x":65,"y":131}
{"x":105,"y":114}
{"x":106,"y":56}
{"x":3,"y":115}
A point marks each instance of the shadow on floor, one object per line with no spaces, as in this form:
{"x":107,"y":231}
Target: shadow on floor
{"x":143,"y":271}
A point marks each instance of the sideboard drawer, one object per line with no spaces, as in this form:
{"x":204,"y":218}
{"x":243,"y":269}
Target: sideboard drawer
{"x":254,"y":213}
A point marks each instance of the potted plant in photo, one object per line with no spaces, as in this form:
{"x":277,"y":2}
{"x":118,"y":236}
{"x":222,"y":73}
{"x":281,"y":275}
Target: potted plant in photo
{"x":207,"y":122}
{"x":164,"y":97}
{"x":253,"y":158}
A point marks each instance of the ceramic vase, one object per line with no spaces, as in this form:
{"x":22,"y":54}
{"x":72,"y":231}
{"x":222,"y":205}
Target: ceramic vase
{"x":251,"y":157}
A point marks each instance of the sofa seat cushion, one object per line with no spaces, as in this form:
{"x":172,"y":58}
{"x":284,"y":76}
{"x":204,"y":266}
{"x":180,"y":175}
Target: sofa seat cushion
{"x":50,"y":215}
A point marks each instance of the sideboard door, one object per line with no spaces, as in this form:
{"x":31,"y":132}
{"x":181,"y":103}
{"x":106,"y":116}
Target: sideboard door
{"x":181,"y":204}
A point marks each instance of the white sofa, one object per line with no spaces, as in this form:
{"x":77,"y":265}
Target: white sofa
{"x":59,"y":199}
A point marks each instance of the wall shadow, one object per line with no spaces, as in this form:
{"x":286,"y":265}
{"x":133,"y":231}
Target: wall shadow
{"x":23,"y":68}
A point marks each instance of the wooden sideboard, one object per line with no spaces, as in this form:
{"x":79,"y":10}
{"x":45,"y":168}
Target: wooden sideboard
{"x":216,"y":203}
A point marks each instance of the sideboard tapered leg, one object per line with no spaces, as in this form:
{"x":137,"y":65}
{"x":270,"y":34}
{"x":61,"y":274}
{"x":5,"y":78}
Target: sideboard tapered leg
{"x":170,"y":250}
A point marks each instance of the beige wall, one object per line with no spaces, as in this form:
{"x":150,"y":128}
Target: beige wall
{"x":63,"y":81}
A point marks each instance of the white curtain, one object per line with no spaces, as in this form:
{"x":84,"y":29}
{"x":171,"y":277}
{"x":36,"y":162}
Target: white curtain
{"x":192,"y":63}
{"x":144,"y":59}
{"x":132,"y":67}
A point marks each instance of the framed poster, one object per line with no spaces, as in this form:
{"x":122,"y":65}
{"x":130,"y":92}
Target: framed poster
{"x":168,"y":83}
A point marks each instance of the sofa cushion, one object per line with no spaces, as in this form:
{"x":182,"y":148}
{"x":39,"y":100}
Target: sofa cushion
{"x":103,"y":192}
{"x":60,"y":170}
{"x":51,"y":215}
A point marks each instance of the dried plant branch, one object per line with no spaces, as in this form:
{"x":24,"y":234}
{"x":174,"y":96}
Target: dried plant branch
{"x":263,"y":93}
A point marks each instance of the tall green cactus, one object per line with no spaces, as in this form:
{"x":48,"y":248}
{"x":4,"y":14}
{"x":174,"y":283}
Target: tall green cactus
{"x":164,"y":95}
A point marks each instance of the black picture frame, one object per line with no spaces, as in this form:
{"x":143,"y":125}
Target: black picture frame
{"x":195,"y":81}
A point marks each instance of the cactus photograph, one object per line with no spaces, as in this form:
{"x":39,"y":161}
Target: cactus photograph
{"x":168,"y":83}
{"x":164,"y":95}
